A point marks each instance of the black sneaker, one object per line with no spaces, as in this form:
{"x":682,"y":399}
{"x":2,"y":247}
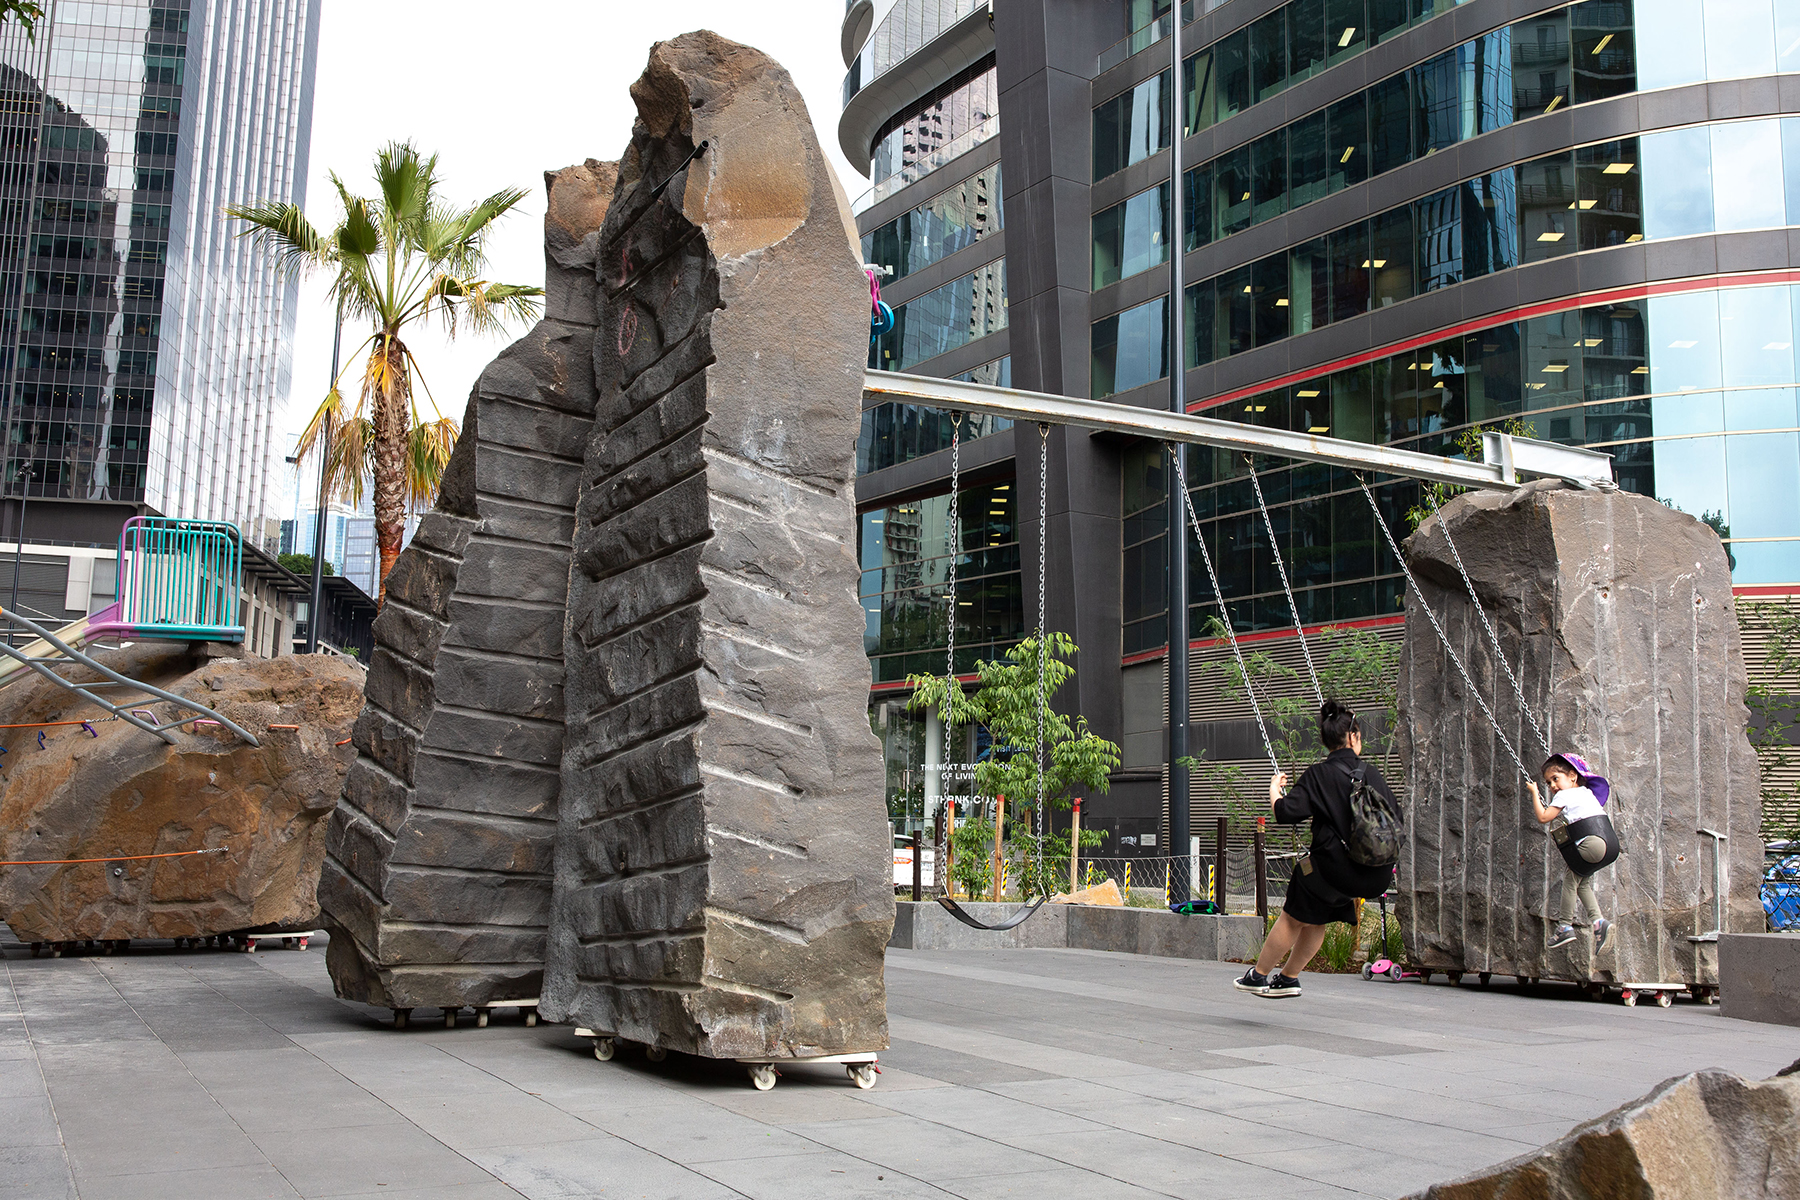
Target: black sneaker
{"x":1252,"y":981}
{"x":1281,"y":985}
{"x":1564,"y":935}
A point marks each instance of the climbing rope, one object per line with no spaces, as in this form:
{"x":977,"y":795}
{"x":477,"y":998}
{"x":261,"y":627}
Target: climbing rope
{"x":64,"y":862}
{"x":1455,"y":659}
{"x":1224,"y":615}
{"x":1281,"y":568}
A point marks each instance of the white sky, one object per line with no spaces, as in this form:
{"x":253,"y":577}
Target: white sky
{"x":503,"y":93}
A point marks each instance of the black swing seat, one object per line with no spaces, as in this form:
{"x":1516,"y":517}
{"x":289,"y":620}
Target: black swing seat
{"x":1568,"y":840}
{"x":1018,"y":918}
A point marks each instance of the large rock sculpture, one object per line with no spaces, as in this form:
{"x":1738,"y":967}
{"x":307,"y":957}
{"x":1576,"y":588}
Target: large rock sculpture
{"x":1616,"y":614}
{"x":437,"y":886}
{"x":722,"y":877}
{"x":118,"y":791}
{"x":1706,"y":1136}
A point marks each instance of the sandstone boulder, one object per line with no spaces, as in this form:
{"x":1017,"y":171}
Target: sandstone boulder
{"x":121,"y":791}
{"x":437,"y":885}
{"x":1705,"y":1136}
{"x":723,"y":878}
{"x":1616,"y":614}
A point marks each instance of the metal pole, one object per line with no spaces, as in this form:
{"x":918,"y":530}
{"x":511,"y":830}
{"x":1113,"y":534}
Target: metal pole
{"x":313,"y":614}
{"x":19,"y":544}
{"x":1262,"y":872}
{"x":1218,"y":888}
{"x":1176,"y":526}
{"x":918,"y":865}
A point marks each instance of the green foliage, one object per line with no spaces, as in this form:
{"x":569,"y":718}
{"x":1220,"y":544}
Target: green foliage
{"x":1774,"y":698}
{"x":1468,"y":445}
{"x":302,"y":565}
{"x":1338,"y":947}
{"x":972,"y":856}
{"x":1354,"y":665}
{"x":26,"y":12}
{"x":1050,"y":874}
{"x":1007,"y":703}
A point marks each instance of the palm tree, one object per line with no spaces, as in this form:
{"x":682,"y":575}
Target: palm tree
{"x":396,"y":260}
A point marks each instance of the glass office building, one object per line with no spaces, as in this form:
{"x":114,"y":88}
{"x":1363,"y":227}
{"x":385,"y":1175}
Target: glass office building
{"x":147,"y":348}
{"x":1405,"y":220}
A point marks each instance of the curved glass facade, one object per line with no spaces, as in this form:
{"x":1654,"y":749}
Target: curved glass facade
{"x":1698,"y":179}
{"x":959,"y":106}
{"x":1693,"y":392}
{"x":950,"y":221}
{"x":942,"y":320}
{"x":901,"y":29}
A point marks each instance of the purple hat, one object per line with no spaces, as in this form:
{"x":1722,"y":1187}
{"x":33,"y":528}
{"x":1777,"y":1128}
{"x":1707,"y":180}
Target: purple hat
{"x":1588,"y":778}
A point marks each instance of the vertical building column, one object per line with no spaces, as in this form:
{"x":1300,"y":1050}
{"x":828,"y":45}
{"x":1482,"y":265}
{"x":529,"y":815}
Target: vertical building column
{"x":1045,"y":51}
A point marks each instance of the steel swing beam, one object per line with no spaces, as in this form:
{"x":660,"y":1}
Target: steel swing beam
{"x":1504,"y":455}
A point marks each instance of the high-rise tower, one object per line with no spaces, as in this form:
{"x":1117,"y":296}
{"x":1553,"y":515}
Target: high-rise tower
{"x":143,"y":347}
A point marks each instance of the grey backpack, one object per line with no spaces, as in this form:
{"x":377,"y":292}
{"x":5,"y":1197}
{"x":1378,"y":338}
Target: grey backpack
{"x":1373,"y":839}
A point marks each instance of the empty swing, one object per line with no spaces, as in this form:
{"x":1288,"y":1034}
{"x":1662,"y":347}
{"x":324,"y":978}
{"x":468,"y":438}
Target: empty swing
{"x":952,"y":907}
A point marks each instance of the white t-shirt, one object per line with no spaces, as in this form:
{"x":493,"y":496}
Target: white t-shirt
{"x":1577,"y":804}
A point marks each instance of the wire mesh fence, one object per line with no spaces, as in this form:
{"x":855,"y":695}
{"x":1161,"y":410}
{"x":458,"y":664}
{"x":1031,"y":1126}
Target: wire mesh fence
{"x":1144,"y":881}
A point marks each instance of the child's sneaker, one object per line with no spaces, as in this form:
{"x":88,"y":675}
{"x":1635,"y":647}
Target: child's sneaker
{"x":1281,"y":985}
{"x":1252,"y":981}
{"x":1564,"y":935}
{"x":1602,"y":927}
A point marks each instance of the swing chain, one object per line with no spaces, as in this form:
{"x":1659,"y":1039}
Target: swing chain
{"x":1043,"y":639}
{"x":956,"y":419}
{"x":1281,"y":567}
{"x":1175,"y":453}
{"x":1493,"y":637}
{"x":1455,"y":659}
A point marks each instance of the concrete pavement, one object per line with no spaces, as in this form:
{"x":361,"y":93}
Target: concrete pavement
{"x":1013,"y":1073}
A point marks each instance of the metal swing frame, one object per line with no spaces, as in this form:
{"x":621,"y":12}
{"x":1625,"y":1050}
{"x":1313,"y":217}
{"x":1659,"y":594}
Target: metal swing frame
{"x":1504,"y":456}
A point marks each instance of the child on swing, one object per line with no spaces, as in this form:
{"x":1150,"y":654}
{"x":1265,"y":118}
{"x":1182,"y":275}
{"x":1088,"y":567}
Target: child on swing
{"x":1572,"y":797}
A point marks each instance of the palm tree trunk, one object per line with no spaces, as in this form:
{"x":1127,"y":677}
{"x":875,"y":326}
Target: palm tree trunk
{"x":391,"y":413}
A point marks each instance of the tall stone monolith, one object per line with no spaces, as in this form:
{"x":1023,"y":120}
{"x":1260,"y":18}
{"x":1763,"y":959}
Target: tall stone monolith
{"x":722,"y":868}
{"x":436,"y":885}
{"x":1615,"y":612}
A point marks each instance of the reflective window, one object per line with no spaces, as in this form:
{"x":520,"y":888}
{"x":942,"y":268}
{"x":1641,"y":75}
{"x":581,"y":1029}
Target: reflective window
{"x":944,"y":224}
{"x":905,"y":555}
{"x":1536,"y":66}
{"x":951,"y":110}
{"x":1132,"y":236}
{"x":894,"y":433}
{"x":1694,"y":396}
{"x":1130,"y":348}
{"x":1131,"y":126}
{"x":940,"y":321}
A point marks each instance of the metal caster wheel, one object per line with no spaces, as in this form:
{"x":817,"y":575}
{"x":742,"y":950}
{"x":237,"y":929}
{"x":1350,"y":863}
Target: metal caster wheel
{"x":1485,"y":978}
{"x":1709,"y":997}
{"x":450,"y":1017}
{"x":655,"y":1053}
{"x":401,"y":1017}
{"x":1664,"y":999}
{"x":301,"y":943}
{"x":862,"y":1075}
{"x":763,"y":1076}
{"x":481,"y":1016}
{"x":531,"y":1018}
{"x":604,"y":1049}
{"x":1628,"y":998}
{"x":1455,"y":978}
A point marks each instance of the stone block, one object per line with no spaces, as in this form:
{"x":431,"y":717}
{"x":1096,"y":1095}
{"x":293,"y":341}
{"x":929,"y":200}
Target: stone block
{"x":722,"y":882}
{"x":1759,"y":977}
{"x":437,"y":879}
{"x":1616,"y":614}
{"x":121,"y":791}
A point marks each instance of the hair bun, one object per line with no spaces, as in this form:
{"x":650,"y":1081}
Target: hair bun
{"x":1332,"y":708}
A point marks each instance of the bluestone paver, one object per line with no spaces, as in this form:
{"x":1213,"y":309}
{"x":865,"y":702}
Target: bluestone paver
{"x":1013,"y":1073}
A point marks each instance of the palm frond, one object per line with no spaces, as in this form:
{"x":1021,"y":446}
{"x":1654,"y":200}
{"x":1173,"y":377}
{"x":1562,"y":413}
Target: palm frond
{"x":406,"y":182}
{"x":351,"y":463}
{"x":428,"y":448}
{"x":284,"y":231}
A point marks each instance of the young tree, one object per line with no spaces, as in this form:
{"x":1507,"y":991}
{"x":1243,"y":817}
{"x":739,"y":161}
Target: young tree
{"x":1774,"y":700}
{"x":396,"y":260}
{"x":1007,"y":705}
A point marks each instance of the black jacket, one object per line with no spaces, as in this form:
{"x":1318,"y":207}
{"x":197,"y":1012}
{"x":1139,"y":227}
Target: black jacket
{"x":1322,"y":796}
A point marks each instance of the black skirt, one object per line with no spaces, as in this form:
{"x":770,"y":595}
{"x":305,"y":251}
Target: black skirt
{"x":1312,"y":901}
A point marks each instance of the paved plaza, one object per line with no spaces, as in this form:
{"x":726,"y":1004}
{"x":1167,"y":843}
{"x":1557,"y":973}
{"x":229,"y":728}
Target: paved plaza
{"x":196,"y":1075}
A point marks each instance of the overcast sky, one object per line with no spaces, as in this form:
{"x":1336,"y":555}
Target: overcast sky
{"x":502,"y":93}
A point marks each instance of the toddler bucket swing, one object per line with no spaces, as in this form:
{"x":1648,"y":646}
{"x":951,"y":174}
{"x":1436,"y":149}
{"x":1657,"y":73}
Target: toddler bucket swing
{"x":1024,"y":913}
